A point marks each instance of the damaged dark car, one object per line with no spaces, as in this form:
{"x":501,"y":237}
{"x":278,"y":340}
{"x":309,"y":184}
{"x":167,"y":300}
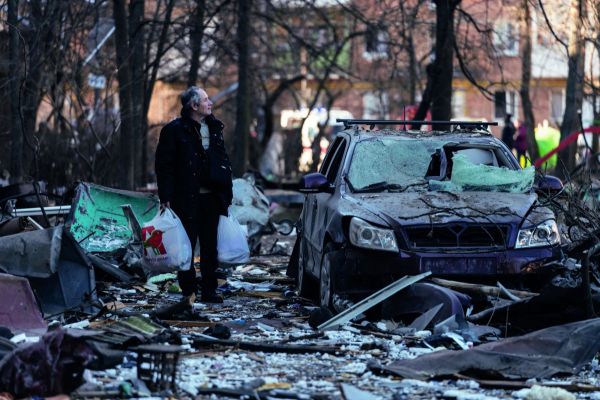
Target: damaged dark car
{"x":388,"y":203}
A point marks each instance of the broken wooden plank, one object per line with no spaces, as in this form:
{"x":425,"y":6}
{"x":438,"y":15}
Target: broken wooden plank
{"x":266,"y":347}
{"x":507,"y":292}
{"x":481,"y":289}
{"x":262,"y":295}
{"x":376,"y":298}
{"x":189,"y":324}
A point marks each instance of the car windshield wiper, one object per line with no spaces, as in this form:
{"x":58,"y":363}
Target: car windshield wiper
{"x":379,"y":187}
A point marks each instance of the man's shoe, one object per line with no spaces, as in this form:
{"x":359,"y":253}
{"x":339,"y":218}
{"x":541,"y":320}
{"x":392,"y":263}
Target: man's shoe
{"x":211,"y":298}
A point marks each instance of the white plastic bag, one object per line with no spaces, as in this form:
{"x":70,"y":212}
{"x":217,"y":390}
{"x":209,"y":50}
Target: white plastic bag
{"x":166,"y":244}
{"x":232,"y":245}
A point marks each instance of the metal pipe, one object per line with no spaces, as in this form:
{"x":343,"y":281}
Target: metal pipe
{"x":36,"y":211}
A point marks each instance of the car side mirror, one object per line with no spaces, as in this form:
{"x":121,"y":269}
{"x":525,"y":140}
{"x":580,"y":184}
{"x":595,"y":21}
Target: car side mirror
{"x":549,"y":184}
{"x":315,"y":182}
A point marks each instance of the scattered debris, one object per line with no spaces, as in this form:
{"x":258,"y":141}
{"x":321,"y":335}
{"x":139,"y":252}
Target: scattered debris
{"x":60,"y":273}
{"x":52,"y":366}
{"x":562,"y":349}
{"x":119,"y":334}
{"x":376,"y":298}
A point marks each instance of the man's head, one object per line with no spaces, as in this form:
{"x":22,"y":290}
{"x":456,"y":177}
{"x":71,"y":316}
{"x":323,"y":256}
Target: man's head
{"x":195,"y":103}
{"x":508,"y":118}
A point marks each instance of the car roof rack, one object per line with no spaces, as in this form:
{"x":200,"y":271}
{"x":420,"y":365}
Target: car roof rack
{"x":373,"y":122}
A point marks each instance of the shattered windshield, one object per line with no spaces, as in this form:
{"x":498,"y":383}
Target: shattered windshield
{"x":398,"y":162}
{"x":468,"y":176}
{"x":406,"y":164}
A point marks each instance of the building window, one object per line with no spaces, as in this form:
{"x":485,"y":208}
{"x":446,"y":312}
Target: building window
{"x":556,"y":106}
{"x":458,"y":104}
{"x":376,"y":42}
{"x":506,"y":38}
{"x":506,"y":102}
{"x":376,"y":105}
{"x":499,"y":105}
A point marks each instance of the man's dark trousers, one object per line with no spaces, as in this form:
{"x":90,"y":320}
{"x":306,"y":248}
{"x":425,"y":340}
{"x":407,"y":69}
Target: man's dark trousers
{"x":203,"y":226}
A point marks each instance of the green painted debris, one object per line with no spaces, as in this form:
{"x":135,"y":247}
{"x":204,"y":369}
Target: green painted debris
{"x":143,"y":325}
{"x":174,"y":288}
{"x":97,"y":221}
{"x":162,"y":278}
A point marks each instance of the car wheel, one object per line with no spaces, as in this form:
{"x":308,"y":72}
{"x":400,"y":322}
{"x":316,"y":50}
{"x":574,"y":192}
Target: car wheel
{"x":305,"y":285}
{"x":326,"y":282}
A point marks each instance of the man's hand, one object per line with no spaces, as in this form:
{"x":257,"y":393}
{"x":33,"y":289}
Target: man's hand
{"x":166,"y":204}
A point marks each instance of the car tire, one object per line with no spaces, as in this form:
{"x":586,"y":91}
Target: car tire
{"x":326,"y":287}
{"x":306,"y":287}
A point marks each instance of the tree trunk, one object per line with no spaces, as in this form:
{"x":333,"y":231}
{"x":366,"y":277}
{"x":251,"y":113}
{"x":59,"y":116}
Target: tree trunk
{"x":196,"y":41}
{"x":412,"y":71}
{"x":136,"y":48}
{"x":16,"y":130}
{"x":596,"y":138}
{"x":575,"y":81}
{"x":525,"y":48}
{"x":126,"y":155}
{"x":438,"y":92}
{"x":441,"y":101}
{"x":242,"y":121}
{"x":43,"y":21}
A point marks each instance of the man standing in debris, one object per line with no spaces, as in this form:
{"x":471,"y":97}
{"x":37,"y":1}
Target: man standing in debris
{"x":193,"y":173}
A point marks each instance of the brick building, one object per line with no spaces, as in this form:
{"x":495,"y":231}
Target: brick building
{"x":380,"y":83}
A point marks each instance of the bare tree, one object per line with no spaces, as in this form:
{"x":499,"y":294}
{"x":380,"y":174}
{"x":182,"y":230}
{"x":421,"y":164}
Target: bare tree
{"x":197,"y":31}
{"x":127,"y":137}
{"x":243,"y":99}
{"x":438,"y":92}
{"x":16,"y":163}
{"x":525,"y":50}
{"x":575,"y":81}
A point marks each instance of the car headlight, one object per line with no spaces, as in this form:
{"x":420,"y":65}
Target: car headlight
{"x":363,"y":234}
{"x":545,"y":234}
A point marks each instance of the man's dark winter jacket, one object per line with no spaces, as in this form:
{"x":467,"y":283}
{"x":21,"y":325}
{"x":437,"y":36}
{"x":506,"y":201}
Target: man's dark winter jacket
{"x":183,"y":167}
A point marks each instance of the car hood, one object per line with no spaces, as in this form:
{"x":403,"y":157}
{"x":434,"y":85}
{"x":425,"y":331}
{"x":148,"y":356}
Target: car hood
{"x":418,"y":208}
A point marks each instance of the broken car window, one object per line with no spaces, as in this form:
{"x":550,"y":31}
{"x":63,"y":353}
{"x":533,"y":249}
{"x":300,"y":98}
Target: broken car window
{"x":469,"y":176}
{"x":402,"y":164}
{"x":399,"y":162}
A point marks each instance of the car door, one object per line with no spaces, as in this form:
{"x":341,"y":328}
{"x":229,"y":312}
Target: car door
{"x":310,"y":201}
{"x":321,"y":204}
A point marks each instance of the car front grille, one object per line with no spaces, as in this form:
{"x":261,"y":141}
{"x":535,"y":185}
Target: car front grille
{"x":457,"y":236}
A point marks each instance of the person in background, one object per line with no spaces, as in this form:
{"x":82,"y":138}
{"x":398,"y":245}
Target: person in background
{"x":521,"y":143}
{"x":508,"y":132}
{"x":193,"y":174}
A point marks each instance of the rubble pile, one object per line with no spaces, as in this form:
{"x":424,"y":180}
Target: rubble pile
{"x":117,"y":329}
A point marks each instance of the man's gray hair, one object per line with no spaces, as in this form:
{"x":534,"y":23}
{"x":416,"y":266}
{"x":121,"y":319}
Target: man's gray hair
{"x":190,"y":96}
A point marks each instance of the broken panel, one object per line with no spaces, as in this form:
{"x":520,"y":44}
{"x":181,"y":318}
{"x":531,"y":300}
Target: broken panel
{"x":58,"y":270}
{"x":97,"y":220}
